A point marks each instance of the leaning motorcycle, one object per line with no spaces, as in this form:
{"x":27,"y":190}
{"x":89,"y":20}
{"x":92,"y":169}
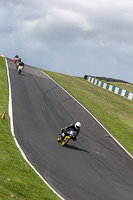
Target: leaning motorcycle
{"x":68,"y":136}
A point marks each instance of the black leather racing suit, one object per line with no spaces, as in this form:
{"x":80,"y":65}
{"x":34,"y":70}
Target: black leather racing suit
{"x":67,"y":128}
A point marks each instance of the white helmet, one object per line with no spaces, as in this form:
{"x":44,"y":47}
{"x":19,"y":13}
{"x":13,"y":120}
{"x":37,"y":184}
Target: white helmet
{"x":77,"y":125}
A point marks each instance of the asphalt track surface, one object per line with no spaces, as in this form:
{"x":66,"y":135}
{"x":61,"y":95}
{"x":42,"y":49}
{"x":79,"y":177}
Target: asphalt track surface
{"x":94,"y":167}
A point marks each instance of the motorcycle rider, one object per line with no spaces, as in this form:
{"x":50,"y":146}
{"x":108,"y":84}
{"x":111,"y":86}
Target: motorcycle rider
{"x":16,"y":59}
{"x":19,"y":63}
{"x":75,"y":127}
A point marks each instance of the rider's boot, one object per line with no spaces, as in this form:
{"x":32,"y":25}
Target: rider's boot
{"x":59,"y":139}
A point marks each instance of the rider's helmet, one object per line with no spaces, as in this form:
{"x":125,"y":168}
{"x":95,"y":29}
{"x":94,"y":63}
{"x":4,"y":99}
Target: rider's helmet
{"x":77,"y":125}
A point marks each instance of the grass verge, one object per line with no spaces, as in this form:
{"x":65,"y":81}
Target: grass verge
{"x":113,"y":111}
{"x":17,"y":179}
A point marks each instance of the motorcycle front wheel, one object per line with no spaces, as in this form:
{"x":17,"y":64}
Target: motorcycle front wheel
{"x":65,"y":141}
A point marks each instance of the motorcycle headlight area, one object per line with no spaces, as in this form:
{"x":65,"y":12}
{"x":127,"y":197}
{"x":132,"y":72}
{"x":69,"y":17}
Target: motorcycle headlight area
{"x":63,"y":134}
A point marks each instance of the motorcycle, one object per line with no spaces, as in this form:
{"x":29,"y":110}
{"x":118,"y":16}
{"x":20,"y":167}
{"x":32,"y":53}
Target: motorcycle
{"x":64,"y":138}
{"x":20,"y":68}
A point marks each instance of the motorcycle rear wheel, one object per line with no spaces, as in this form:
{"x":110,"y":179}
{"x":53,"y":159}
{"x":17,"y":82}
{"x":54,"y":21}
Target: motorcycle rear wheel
{"x":19,"y":71}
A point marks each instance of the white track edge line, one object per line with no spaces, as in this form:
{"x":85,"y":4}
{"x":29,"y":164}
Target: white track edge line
{"x":12,"y":131}
{"x":90,"y":114}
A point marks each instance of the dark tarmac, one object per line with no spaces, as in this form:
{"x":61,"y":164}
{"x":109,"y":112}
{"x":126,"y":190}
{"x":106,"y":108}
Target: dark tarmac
{"x":94,"y":167}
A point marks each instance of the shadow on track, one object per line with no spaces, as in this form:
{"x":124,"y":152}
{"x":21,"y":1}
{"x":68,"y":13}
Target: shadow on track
{"x":75,"y":148}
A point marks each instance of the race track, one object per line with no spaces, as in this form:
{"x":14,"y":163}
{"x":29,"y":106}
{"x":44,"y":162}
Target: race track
{"x":94,"y":167}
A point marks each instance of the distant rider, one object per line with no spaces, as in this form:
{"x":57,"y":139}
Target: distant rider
{"x":16,"y":59}
{"x":75,"y":127}
{"x":19,"y":63}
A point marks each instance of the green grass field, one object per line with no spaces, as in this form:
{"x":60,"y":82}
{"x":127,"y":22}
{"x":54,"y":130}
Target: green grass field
{"x":17,"y":179}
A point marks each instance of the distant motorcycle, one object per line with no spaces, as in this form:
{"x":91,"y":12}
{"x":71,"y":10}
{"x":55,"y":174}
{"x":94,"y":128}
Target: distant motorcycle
{"x":65,"y":137}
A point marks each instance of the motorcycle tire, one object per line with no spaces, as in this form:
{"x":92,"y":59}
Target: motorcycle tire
{"x":19,"y":71}
{"x":65,"y":141}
